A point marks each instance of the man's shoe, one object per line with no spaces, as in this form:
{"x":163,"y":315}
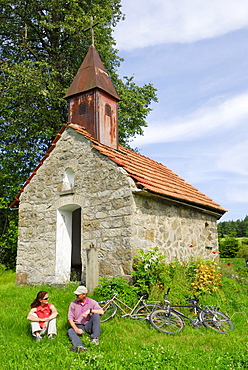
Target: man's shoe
{"x":95,"y":341}
{"x":78,"y":349}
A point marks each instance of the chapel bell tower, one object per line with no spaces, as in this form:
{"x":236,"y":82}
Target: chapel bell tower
{"x":93,"y":100}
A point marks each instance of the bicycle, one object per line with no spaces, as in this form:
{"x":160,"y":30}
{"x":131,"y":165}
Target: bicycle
{"x":169,"y":320}
{"x":141,"y":310}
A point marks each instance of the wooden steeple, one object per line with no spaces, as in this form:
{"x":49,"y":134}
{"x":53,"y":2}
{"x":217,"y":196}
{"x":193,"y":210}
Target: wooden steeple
{"x":93,"y":100}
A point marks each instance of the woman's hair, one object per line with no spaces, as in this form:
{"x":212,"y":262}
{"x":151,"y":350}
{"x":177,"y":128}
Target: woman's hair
{"x":40,"y":295}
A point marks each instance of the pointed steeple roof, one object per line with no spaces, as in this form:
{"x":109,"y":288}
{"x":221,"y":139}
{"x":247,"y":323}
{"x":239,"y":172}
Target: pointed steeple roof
{"x":92,"y":74}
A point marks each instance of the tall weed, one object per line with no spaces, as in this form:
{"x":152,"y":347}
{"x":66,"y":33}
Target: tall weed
{"x":149,"y":269}
{"x":197,"y":277}
{"x":108,"y":286}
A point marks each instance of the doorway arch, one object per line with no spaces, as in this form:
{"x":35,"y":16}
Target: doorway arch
{"x":68,"y":244}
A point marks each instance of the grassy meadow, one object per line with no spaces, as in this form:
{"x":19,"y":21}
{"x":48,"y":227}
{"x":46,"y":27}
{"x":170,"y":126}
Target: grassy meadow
{"x":125,"y":344}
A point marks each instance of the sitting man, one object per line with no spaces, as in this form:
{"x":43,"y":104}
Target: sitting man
{"x":83,"y":315}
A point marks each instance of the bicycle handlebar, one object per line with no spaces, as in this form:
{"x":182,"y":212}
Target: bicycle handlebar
{"x":166,"y":293}
{"x":191,"y":300}
{"x":144,"y":295}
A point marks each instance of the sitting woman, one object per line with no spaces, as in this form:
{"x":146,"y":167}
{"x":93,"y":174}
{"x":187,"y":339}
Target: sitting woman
{"x":42,"y":317}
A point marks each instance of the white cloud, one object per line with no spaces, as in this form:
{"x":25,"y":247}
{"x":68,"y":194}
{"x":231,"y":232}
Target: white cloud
{"x":153,"y":22}
{"x":235,"y":160}
{"x":238,"y":193}
{"x":206,"y":121}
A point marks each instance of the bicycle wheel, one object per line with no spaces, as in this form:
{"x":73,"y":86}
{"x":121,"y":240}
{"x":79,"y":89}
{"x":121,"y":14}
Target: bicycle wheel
{"x":143,"y":312}
{"x":216,"y":321}
{"x":168,"y":323}
{"x":109,"y":309}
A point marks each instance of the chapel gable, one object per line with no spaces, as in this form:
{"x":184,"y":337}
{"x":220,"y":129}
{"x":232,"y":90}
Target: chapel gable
{"x":90,"y":204}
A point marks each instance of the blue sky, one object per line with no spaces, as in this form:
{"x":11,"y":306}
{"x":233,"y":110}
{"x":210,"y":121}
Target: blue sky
{"x":195,"y":52}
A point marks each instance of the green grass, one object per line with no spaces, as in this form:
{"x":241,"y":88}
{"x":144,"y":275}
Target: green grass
{"x":237,"y":267}
{"x":125,"y":344}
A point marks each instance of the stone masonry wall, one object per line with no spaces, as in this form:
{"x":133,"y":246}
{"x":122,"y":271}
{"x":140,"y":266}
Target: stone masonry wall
{"x":179,"y":232}
{"x":116,"y":219}
{"x":101,"y":189}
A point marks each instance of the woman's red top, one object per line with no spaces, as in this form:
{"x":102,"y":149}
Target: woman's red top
{"x":44,"y":312}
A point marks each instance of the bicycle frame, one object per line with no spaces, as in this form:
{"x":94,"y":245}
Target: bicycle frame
{"x":193,"y":304}
{"x":120,"y":305}
{"x":195,"y":307}
{"x":169,"y":320}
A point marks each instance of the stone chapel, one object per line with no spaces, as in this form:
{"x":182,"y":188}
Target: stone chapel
{"x":90,"y":204}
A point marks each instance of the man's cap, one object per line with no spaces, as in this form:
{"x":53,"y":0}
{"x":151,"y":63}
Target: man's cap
{"x":81,"y":290}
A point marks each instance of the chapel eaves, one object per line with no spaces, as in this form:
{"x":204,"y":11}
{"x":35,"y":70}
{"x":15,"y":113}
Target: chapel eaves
{"x":150,"y":176}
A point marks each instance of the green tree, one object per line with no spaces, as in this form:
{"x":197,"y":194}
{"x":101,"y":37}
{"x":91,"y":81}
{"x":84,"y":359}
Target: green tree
{"x":43,"y":44}
{"x":8,"y":236}
{"x":229,"y":247}
{"x":237,"y":228}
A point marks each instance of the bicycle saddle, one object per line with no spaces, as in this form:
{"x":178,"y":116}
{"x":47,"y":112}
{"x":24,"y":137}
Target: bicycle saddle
{"x":192,"y":300}
{"x":144,"y":295}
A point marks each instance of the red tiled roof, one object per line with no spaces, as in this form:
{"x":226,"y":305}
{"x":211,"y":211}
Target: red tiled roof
{"x":152,"y":176}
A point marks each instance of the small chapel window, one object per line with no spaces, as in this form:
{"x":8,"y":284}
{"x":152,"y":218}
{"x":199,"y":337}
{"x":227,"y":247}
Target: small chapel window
{"x":108,"y":110}
{"x":68,"y":181}
{"x":82,"y":108}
